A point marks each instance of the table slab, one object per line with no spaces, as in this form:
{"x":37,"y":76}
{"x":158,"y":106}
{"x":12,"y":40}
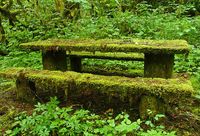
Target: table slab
{"x":112,"y":45}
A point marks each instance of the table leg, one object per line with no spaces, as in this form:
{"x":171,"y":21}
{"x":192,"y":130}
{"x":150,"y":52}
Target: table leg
{"x":75,"y":63}
{"x":158,"y":65}
{"x":54,"y":60}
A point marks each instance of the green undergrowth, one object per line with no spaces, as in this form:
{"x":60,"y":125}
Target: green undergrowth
{"x":112,"y":71}
{"x":195,"y":83}
{"x":21,"y":59}
{"x":49,"y":119}
{"x":113,"y":65}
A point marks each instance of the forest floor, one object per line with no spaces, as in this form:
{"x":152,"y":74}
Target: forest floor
{"x":185,"y":119}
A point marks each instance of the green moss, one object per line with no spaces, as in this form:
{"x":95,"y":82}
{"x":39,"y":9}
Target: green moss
{"x":6,"y":119}
{"x":11,"y":73}
{"x":112,"y":45}
{"x":109,"y":55}
{"x":171,"y":90}
{"x":6,"y":86}
{"x":196,"y":110}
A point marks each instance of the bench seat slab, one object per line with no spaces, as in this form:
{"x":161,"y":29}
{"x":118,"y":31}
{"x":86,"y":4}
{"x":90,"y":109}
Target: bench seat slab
{"x":173,"y":88}
{"x":98,"y":89}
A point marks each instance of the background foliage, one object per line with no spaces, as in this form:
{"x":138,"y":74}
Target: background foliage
{"x":49,"y":119}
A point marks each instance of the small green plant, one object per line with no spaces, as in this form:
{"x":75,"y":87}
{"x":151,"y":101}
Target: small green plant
{"x":153,"y":128}
{"x":49,"y":119}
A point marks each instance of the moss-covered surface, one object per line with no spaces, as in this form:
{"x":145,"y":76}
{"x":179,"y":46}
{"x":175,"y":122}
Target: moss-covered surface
{"x":110,"y":55}
{"x":150,"y":103}
{"x":55,"y":82}
{"x":112,"y":45}
{"x":12,"y":73}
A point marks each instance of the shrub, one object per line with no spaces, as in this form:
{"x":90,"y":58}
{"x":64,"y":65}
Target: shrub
{"x":49,"y":119}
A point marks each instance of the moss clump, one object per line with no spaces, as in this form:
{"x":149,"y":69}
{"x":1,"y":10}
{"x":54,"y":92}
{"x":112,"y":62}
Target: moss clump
{"x":12,"y":73}
{"x":110,"y":55}
{"x":112,"y":45}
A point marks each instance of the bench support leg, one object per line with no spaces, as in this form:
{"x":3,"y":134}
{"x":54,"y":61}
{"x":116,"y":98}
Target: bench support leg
{"x":54,"y":60}
{"x":158,"y":65}
{"x":25,"y":89}
{"x":147,"y":103}
{"x":149,"y":106}
{"x":75,"y":63}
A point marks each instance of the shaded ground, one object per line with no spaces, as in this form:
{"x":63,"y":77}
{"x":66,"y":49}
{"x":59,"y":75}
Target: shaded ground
{"x":185,"y":119}
{"x":9,"y":106}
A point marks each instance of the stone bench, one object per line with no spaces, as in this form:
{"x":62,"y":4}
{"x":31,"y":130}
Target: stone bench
{"x":98,"y":89}
{"x":158,"y":54}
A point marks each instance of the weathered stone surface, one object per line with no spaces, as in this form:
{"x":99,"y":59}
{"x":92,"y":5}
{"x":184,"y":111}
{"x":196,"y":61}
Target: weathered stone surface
{"x":149,"y":106}
{"x":158,"y":65}
{"x":112,"y":45}
{"x":54,"y":60}
{"x":148,"y":103}
{"x":25,"y":89}
{"x":75,"y":63}
{"x":102,"y":91}
{"x":170,"y":90}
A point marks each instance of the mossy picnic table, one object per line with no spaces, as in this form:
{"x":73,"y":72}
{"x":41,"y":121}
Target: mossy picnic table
{"x":158,"y":54}
{"x":155,"y":91}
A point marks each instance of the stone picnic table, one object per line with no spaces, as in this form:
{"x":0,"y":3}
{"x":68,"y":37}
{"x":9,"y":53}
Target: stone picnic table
{"x":158,"y":54}
{"x":152,"y":91}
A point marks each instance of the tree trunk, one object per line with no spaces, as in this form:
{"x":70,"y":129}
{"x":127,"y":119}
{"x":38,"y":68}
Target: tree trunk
{"x":2,"y":33}
{"x":60,"y":6}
